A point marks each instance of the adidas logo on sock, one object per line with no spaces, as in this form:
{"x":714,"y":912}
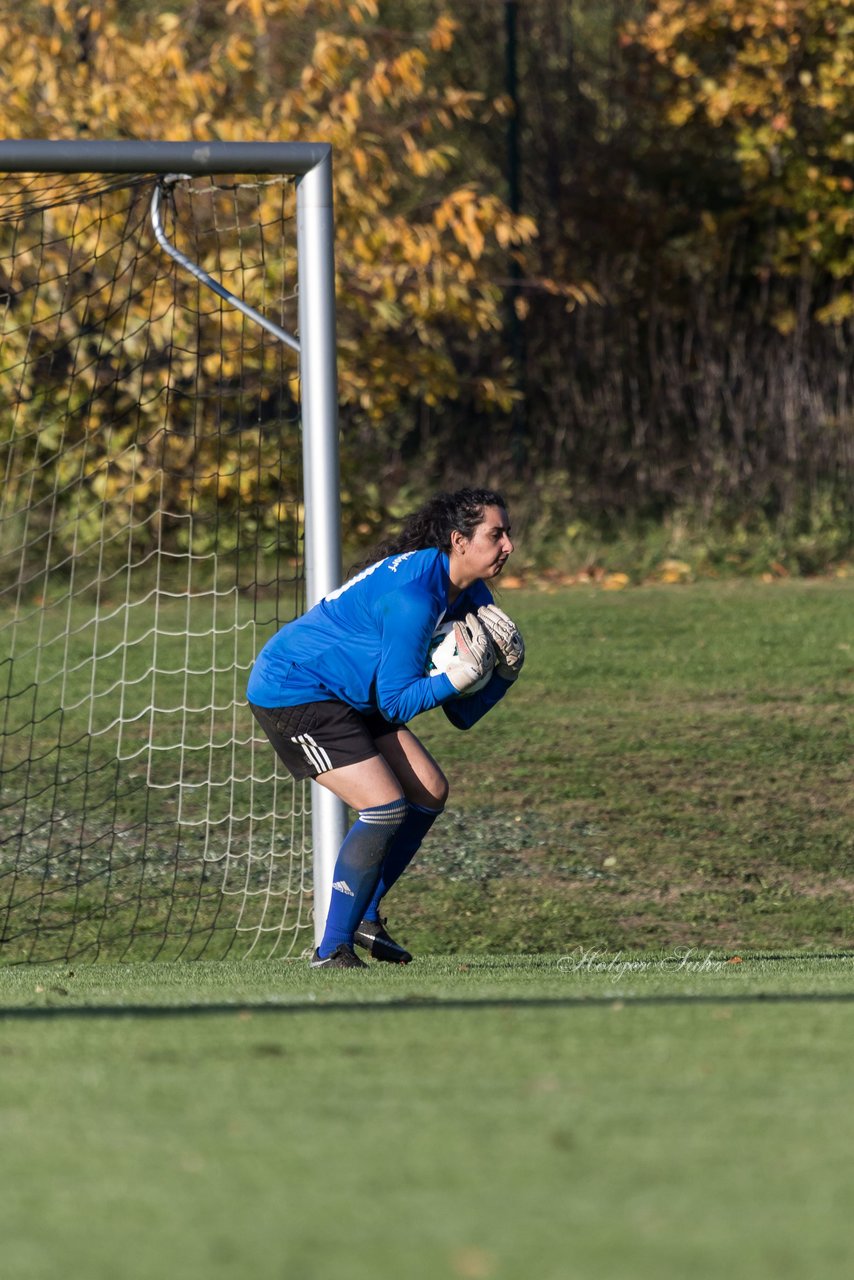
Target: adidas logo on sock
{"x":343,"y":887}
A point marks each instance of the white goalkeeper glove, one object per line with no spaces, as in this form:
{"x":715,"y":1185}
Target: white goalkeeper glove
{"x":475,"y":654}
{"x":509,"y":645}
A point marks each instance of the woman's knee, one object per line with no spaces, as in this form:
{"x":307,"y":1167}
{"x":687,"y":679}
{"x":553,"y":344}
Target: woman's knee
{"x":434,"y":793}
{"x":419,"y":775}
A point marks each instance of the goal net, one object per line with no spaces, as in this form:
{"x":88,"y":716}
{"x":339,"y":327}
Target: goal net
{"x":151,"y":538}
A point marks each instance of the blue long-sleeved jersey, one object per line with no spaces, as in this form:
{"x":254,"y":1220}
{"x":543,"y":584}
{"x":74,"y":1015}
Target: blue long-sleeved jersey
{"x":366,"y":644}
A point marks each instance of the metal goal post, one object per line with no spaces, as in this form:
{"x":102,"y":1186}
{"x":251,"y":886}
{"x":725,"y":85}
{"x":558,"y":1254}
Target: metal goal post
{"x":311,"y":166}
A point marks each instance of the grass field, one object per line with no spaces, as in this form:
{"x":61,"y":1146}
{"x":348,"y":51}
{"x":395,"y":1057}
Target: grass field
{"x":673,"y":767}
{"x":573,"y":1116}
{"x":623,"y":1051}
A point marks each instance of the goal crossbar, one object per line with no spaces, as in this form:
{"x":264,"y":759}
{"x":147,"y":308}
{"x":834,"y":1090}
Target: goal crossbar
{"x":39,"y":155}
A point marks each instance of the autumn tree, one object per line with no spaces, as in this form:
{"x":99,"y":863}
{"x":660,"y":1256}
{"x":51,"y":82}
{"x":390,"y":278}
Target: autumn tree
{"x":693,"y":161}
{"x":421,"y":249}
{"x":686,"y":166}
{"x":771,"y":83}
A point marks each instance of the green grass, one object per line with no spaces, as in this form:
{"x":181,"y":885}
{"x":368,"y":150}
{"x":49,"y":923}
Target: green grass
{"x":673,"y":767}
{"x":623,"y":1052}
{"x":578,"y":1115}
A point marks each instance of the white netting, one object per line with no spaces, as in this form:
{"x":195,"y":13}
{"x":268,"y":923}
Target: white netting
{"x":150,"y":540}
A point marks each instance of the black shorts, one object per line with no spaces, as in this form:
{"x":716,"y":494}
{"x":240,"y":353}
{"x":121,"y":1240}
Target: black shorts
{"x":318,"y":736}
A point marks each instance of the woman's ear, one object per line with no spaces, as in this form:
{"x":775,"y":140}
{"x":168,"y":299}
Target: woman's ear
{"x":458,"y":542}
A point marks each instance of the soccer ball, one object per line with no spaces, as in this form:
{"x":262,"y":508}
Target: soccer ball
{"x":442,"y":649}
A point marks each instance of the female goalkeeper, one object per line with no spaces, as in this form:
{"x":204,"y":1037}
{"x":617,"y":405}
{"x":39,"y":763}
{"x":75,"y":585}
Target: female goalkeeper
{"x":333,"y":691}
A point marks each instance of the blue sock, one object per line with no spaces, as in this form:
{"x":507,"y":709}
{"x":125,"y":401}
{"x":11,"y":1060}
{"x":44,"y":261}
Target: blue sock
{"x":400,"y":853}
{"x":357,"y":869}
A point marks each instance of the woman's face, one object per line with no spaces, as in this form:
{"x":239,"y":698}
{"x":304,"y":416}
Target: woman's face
{"x":488,"y":549}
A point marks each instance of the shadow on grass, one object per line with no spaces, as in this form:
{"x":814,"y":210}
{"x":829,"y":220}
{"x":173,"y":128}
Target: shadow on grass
{"x":48,"y":1012}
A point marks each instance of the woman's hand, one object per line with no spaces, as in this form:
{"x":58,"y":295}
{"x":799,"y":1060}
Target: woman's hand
{"x":509,"y":645}
{"x":475,"y":654}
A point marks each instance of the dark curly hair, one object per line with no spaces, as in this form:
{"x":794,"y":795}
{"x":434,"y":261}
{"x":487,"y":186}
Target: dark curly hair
{"x":433,"y":523}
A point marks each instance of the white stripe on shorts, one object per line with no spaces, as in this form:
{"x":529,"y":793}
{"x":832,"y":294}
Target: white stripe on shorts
{"x":316,"y":756}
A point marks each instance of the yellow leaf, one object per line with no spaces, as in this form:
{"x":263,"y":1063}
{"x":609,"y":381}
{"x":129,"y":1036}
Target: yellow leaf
{"x":674,"y":571}
{"x":442,"y":34}
{"x":679,"y":113}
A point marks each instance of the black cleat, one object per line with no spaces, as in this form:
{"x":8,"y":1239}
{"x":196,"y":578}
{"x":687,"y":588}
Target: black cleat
{"x":372,"y":936}
{"x":343,"y":957}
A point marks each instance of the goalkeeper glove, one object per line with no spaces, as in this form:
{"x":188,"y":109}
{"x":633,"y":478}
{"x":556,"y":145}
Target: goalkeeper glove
{"x":475,"y":654}
{"x":509,"y":645}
